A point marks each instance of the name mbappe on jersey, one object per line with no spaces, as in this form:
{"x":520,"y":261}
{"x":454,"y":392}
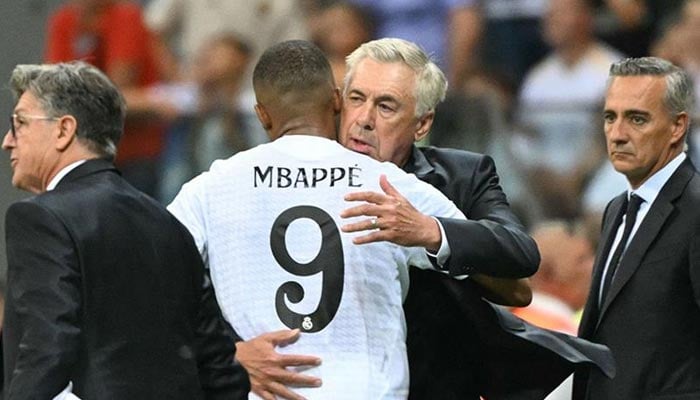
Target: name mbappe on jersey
{"x":306,"y":177}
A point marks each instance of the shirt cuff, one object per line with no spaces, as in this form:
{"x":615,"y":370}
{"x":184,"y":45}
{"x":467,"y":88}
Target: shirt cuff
{"x":443,"y":253}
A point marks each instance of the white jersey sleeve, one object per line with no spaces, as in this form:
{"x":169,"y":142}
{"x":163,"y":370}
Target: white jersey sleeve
{"x":189,"y":208}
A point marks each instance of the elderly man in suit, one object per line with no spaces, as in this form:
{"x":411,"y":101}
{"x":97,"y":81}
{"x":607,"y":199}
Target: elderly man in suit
{"x":106,"y":290}
{"x":644,"y":301}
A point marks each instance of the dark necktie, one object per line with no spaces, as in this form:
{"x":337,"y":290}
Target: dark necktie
{"x":630,"y":218}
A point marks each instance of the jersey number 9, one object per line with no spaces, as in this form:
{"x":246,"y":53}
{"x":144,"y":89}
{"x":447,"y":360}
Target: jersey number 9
{"x":329,"y":262}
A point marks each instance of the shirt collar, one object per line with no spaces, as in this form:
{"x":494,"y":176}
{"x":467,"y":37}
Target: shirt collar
{"x":63,"y":172}
{"x":650,"y":189}
{"x":418,"y":164}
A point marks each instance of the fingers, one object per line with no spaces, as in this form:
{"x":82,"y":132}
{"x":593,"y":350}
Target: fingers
{"x":370,"y":238}
{"x":387,"y":211}
{"x":262,"y":393}
{"x":387,"y":187}
{"x":291,"y":378}
{"x":389,"y":205}
{"x":365,"y":209}
{"x":276,"y":381}
{"x":268,"y":370}
{"x":365,"y":225}
{"x":390,"y":190}
{"x":297,"y":360}
{"x":283,"y":337}
{"x":370,"y":197}
{"x":273,"y":391}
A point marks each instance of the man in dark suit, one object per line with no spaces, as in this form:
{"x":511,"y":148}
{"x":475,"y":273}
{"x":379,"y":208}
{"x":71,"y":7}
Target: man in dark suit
{"x":459,"y":346}
{"x":477,"y":348}
{"x":644,"y":301}
{"x":106,"y":291}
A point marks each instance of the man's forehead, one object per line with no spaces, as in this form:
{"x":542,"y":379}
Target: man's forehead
{"x":387,"y":78}
{"x":643,"y":91}
{"x":27,"y":101}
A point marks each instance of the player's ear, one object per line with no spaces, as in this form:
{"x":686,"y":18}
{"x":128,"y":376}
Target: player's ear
{"x":263,"y":116}
{"x":337,"y":101}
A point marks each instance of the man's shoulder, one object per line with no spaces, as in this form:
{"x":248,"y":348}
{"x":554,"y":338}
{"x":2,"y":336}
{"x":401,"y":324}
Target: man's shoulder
{"x":443,"y":155}
{"x":96,"y":190}
{"x":689,"y":179}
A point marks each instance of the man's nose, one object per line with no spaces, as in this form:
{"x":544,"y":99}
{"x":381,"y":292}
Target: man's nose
{"x":616,"y":131}
{"x":367,"y":117}
{"x":6,"y":140}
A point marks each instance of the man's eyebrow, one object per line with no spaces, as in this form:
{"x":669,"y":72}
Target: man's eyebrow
{"x":355,"y":90}
{"x":378,"y":99}
{"x":388,"y":97}
{"x":628,"y":113}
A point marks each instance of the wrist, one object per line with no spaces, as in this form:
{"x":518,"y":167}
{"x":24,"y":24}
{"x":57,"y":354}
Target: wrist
{"x":433,"y":239}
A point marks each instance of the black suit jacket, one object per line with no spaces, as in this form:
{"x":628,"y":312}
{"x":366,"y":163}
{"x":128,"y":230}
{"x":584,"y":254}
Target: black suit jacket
{"x":106,"y":289}
{"x":460,"y":346}
{"x":651,"y":316}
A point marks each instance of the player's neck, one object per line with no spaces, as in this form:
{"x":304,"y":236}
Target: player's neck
{"x":310,"y":127}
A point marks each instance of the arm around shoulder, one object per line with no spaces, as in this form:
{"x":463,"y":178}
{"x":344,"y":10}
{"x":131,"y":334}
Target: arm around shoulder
{"x":492,"y":241}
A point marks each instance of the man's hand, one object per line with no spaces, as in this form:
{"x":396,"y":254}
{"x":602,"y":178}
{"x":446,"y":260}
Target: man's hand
{"x":393,"y":219}
{"x":269,"y":376}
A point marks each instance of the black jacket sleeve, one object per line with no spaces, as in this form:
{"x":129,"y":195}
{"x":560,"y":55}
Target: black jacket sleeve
{"x":42,"y":304}
{"x":492,"y":241}
{"x":222,"y":378}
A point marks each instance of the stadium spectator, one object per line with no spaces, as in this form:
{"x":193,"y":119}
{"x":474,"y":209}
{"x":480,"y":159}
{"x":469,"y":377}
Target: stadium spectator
{"x":558,"y":107}
{"x":112,"y":36}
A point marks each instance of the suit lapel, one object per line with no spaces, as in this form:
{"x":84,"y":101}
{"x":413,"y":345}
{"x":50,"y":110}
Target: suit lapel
{"x":648,"y":231}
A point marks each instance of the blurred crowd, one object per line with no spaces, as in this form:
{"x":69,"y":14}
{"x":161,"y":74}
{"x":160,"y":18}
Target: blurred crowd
{"x":527,"y":81}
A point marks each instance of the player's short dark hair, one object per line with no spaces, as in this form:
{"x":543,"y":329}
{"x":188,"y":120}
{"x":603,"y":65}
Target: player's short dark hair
{"x":297,"y":66}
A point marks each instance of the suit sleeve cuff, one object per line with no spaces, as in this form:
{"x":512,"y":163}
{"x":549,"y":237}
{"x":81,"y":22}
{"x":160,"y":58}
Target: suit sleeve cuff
{"x":440,"y":258}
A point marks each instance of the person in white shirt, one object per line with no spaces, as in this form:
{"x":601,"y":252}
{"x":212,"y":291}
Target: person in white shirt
{"x":268,"y":222}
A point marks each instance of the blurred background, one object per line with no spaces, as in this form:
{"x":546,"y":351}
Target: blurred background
{"x":21,"y":41}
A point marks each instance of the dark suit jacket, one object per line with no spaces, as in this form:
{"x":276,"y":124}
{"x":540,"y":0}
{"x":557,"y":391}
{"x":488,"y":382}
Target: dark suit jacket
{"x":651,"y":317}
{"x":460,"y":346}
{"x":106,"y":289}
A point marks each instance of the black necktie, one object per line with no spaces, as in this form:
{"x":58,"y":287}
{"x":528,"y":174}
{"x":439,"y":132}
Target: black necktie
{"x":630,"y":217}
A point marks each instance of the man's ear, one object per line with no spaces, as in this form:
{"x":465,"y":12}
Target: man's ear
{"x":423,"y":125}
{"x":680,"y":127}
{"x":337,"y":101}
{"x":67,"y":127}
{"x":263,"y":116}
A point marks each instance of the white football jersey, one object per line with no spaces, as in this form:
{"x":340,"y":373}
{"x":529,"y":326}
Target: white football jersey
{"x":267,"y":222}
